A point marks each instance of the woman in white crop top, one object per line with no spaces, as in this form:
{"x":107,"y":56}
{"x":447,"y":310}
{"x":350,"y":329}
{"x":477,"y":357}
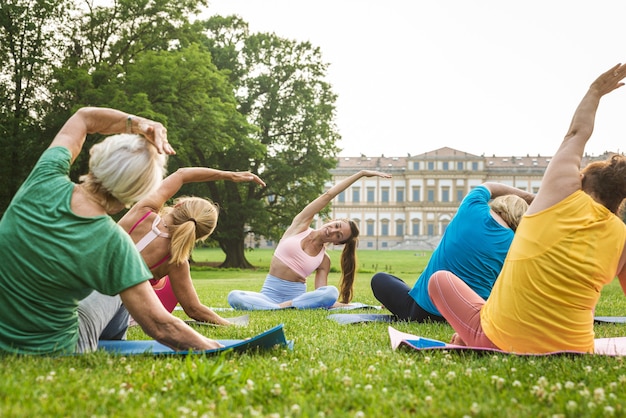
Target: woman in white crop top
{"x":165,"y":236}
{"x":302,"y":251}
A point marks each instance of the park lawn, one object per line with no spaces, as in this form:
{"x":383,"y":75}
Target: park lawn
{"x":333,"y":370}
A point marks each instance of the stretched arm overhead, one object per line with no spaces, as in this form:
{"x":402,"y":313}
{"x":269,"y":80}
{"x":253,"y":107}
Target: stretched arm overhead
{"x":89,"y":120}
{"x":562,"y":177}
{"x":499,"y":189}
{"x":172,"y":183}
{"x":302,"y":220}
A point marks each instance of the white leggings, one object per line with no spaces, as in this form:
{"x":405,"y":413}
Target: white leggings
{"x":277,"y":290}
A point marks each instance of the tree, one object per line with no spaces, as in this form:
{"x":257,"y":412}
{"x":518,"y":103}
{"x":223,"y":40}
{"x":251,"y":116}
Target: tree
{"x":173,"y":81}
{"x":281,"y":89}
{"x":30,"y":38}
{"x":107,"y":43}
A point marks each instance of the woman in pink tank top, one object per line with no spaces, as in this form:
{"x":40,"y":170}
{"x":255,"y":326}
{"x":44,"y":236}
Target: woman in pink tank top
{"x":166,"y":235}
{"x":302,"y":251}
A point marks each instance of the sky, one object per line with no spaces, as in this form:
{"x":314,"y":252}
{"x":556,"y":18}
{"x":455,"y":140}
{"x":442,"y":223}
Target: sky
{"x":492,"y":77}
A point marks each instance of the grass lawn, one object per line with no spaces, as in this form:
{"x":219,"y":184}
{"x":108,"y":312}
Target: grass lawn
{"x":333,"y":370}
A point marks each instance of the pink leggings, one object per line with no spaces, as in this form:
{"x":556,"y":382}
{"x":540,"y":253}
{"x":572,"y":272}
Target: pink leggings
{"x":461,"y":306}
{"x":164,"y":291}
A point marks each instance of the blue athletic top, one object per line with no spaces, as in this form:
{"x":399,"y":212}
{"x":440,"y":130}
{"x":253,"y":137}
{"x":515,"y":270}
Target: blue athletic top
{"x":473,"y":247}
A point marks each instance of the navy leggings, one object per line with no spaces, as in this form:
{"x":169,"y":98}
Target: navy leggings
{"x":393,"y":294}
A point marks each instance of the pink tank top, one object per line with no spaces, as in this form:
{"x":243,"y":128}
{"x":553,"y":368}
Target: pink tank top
{"x":162,"y":286}
{"x":290,"y":252}
{"x":150,"y":236}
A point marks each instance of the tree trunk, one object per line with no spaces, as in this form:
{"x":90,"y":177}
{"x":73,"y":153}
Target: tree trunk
{"x":235,"y":254}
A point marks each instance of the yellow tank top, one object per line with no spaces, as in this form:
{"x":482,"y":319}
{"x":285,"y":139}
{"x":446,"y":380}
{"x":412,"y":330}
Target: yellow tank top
{"x":558,"y":262}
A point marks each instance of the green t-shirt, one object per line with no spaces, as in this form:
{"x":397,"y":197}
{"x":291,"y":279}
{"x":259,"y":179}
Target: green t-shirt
{"x":53,"y":258}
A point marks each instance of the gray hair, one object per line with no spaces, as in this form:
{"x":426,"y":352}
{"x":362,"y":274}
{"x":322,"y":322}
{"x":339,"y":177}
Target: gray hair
{"x":127,"y":166}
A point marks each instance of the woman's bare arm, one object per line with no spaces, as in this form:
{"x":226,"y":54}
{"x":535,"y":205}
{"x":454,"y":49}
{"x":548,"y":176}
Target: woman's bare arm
{"x":146,"y":308}
{"x":89,"y":120}
{"x":302,"y":220}
{"x":562,"y":177}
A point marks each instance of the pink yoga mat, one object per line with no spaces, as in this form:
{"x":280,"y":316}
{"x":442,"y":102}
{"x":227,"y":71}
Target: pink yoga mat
{"x":615,"y":346}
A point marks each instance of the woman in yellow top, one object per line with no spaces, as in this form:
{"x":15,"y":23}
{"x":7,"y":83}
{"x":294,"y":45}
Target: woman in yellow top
{"x":569,"y":244}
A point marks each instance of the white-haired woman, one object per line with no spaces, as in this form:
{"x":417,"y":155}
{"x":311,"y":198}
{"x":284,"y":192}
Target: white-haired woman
{"x":64,"y":247}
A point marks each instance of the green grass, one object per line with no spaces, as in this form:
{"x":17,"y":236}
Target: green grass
{"x":333,"y":371}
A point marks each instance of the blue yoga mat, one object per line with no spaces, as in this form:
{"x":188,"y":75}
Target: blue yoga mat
{"x":266,"y":340}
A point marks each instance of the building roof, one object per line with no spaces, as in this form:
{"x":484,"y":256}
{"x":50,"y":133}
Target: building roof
{"x":372,"y":163}
{"x":446,"y":153}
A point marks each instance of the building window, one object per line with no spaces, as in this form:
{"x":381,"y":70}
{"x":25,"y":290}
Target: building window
{"x":445,"y":194}
{"x":459,"y":195}
{"x":430,"y":229}
{"x":356,"y":194}
{"x":444,"y":226}
{"x":370,"y":244}
{"x":399,"y":228}
{"x":459,"y":165}
{"x":416,"y":193}
{"x":431,"y":165}
{"x":415,"y":228}
{"x":341,"y":197}
{"x":384,"y":244}
{"x":384,"y":228}
{"x":384,"y":197}
{"x":370,"y":194}
{"x":446,"y":165}
{"x":416,"y":165}
{"x":475,"y":166}
{"x":431,"y":195}
{"x":400,"y":194}
{"x":370,"y":228}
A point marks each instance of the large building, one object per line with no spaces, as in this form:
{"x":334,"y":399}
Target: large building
{"x":412,"y":209}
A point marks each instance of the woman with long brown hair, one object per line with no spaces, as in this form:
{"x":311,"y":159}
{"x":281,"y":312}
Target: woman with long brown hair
{"x":302,"y":251}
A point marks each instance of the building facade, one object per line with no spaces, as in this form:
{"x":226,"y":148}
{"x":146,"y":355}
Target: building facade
{"x":412,"y":209}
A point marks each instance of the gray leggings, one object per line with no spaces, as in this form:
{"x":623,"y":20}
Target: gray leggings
{"x":100,"y":317}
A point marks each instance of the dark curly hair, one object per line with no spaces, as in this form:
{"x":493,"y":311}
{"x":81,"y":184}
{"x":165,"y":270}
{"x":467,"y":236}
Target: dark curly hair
{"x":606,"y":181}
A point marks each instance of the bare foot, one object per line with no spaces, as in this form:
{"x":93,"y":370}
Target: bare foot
{"x":287,"y":304}
{"x":456,"y":340}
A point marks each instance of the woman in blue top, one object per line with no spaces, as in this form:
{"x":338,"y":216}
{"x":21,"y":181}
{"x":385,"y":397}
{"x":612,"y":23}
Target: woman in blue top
{"x":473,"y":246}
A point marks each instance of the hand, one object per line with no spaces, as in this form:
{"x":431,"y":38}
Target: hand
{"x":371,"y":173}
{"x":239,"y":177}
{"x":212,"y":344}
{"x":610,"y":80}
{"x":156,"y":134}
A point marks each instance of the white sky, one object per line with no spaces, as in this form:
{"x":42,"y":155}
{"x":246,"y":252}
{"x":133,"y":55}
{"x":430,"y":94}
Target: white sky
{"x":483,"y":76}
